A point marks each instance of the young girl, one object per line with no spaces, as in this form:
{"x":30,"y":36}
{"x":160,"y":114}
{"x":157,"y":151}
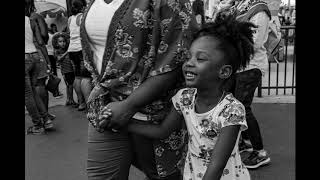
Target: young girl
{"x":214,"y":118}
{"x":60,"y":43}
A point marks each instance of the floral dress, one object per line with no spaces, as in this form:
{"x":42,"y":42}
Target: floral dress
{"x":146,"y":38}
{"x":204,"y":130}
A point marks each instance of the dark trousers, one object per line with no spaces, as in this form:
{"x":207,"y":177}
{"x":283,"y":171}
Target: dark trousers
{"x":245,"y":85}
{"x":53,"y":64}
{"x":33,"y":102}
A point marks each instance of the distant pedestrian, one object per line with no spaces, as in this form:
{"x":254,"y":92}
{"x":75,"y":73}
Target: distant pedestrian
{"x":36,"y":70}
{"x":246,"y":81}
{"x":52,"y":30}
{"x":82,"y":75}
{"x":198,"y":10}
{"x":60,"y":43}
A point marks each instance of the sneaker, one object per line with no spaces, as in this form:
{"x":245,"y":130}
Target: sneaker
{"x":48,"y":124}
{"x":82,"y":107}
{"x":51,"y":116}
{"x":75,"y":105}
{"x":58,"y":95}
{"x":256,"y":159}
{"x":245,"y":146}
{"x":36,"y":130}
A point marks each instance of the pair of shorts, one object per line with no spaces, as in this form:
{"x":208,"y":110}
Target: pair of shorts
{"x":79,"y":69}
{"x":68,"y":78}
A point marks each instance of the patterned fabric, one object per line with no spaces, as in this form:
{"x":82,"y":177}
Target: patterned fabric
{"x":204,"y":130}
{"x":245,"y":9}
{"x":145,"y":38}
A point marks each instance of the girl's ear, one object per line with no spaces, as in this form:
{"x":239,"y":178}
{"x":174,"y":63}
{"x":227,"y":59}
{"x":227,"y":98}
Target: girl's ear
{"x":225,"y":71}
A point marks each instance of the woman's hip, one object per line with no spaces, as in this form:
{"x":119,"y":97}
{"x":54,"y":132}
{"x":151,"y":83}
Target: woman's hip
{"x":109,"y":155}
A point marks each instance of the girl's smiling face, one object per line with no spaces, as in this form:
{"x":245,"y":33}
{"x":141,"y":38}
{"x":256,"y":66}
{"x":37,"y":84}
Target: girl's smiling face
{"x":205,"y":62}
{"x":61,"y":42}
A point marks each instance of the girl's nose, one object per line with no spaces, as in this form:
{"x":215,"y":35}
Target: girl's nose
{"x":190,"y":62}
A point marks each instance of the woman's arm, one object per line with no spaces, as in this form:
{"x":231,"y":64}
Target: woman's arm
{"x":147,"y":92}
{"x":222,"y":152}
{"x":43,"y":29}
{"x":172,"y":122}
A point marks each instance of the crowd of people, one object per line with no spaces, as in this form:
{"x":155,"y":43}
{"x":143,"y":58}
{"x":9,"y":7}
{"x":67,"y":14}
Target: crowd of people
{"x":287,"y":16}
{"x":140,"y":70}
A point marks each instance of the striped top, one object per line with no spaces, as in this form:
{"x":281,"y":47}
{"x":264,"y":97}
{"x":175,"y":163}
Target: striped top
{"x":65,"y":63}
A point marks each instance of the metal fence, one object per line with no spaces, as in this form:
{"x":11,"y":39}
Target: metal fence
{"x":281,"y":75}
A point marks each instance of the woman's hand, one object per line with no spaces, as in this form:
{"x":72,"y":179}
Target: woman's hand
{"x":121,"y":114}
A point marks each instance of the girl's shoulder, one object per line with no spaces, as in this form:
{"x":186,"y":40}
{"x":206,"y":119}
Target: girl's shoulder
{"x":185,"y":96}
{"x":231,"y":106}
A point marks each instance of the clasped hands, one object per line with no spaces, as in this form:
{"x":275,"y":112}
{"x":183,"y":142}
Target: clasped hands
{"x":114,"y":116}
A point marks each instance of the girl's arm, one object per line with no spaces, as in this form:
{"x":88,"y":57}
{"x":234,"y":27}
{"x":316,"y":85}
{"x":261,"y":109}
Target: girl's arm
{"x":172,"y":122}
{"x":60,"y":56}
{"x":222,"y":152}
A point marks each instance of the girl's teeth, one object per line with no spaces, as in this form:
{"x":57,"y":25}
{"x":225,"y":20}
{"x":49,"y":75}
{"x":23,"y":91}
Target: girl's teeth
{"x":190,"y":75}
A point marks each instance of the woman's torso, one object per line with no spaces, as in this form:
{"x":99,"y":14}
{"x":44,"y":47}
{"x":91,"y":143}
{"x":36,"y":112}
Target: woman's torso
{"x":97,"y":25}
{"x":75,"y":41}
{"x":28,"y":41}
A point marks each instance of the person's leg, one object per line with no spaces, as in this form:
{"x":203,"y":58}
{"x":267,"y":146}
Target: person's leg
{"x":109,"y":155}
{"x":77,"y":88}
{"x":86,"y":88}
{"x":53,"y":65}
{"x":69,"y":79}
{"x":30,"y":94}
{"x":144,"y":155}
{"x":86,"y":78}
{"x":246,"y":84}
{"x":43,"y":92}
{"x":77,"y":82}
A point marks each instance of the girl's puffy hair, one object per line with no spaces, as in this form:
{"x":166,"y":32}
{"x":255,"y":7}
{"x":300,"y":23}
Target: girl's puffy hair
{"x":56,"y":36}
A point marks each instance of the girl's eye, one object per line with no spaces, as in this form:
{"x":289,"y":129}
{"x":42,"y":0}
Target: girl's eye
{"x":201,"y":59}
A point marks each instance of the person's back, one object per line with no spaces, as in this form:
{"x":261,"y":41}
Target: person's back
{"x":28,"y":43}
{"x":74,"y":28}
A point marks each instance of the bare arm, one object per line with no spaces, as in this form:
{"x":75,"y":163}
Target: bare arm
{"x":61,"y":56}
{"x":172,"y":122}
{"x":43,"y":29}
{"x":146,"y":93}
{"x":222,"y":152}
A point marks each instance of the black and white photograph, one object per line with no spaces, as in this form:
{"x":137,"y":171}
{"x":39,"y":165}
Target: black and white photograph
{"x":160,"y":90}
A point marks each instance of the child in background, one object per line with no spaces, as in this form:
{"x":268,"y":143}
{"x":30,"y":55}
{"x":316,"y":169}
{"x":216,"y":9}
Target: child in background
{"x":60,"y":42}
{"x":213,"y":116}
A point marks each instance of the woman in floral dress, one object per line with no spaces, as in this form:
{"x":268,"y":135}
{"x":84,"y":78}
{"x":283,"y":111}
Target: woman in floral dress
{"x":134,"y":50}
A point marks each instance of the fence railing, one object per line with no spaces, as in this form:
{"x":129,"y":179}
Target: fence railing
{"x":281,"y":75}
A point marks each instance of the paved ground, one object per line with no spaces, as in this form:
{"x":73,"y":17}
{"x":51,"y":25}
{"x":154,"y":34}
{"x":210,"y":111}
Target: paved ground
{"x":61,"y":154}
